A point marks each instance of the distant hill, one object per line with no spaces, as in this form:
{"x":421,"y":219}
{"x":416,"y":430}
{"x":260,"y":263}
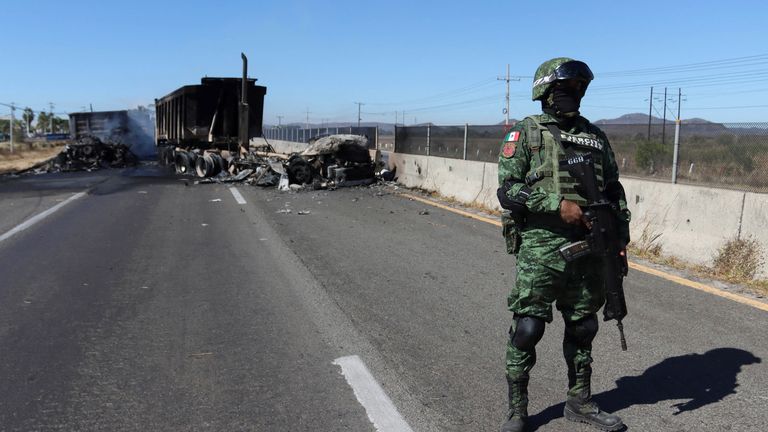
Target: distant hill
{"x":634,"y":118}
{"x":639,"y":118}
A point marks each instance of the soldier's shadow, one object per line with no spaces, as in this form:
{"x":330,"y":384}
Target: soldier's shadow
{"x":701,"y":378}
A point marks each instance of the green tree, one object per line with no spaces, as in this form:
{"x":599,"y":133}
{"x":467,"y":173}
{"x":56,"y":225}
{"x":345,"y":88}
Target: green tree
{"x":652,"y":155}
{"x":43,"y":119}
{"x":28,"y":115}
{"x":60,"y":125}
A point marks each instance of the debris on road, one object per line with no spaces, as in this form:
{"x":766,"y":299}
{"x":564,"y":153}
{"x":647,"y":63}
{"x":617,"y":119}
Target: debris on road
{"x":328,"y":162}
{"x":88,"y":153}
{"x":304,"y":212}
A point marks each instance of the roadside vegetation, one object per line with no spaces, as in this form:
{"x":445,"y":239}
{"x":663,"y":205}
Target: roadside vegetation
{"x":736,"y":262}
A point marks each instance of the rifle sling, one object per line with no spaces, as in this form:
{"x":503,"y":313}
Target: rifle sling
{"x":555,"y":131}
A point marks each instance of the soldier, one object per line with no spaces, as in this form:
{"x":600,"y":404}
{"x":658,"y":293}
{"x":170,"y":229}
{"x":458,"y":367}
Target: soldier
{"x":543,"y":213}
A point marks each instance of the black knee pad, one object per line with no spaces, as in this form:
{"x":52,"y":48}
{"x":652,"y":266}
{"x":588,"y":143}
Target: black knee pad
{"x":583,"y":331}
{"x":528,"y":332}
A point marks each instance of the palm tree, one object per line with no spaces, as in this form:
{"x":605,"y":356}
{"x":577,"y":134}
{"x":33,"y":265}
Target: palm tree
{"x":28,"y":116}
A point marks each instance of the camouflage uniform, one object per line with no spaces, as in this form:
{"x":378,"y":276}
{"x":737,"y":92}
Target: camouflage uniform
{"x":543,"y":276}
{"x":531,"y":154}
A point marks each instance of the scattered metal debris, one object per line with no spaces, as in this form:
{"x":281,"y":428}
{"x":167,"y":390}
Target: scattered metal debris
{"x":88,"y":153}
{"x":333,"y":161}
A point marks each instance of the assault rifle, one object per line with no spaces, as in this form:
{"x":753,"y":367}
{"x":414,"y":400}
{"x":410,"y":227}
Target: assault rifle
{"x":602,"y":240}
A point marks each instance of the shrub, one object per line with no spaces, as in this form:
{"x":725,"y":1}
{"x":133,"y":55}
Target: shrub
{"x":738,"y":259}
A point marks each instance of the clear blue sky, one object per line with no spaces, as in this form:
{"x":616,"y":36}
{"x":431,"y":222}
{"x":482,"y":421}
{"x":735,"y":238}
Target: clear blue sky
{"x":436,"y":60}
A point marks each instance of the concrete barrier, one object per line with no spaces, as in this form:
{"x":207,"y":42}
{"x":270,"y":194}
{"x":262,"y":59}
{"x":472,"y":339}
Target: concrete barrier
{"x":693,"y":222}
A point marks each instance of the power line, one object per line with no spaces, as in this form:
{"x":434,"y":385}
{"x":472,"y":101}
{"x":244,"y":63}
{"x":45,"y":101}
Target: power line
{"x":442,"y":95}
{"x":689,"y":66}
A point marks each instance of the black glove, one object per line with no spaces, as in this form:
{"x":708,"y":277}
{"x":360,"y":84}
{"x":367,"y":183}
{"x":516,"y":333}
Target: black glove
{"x":501,"y":193}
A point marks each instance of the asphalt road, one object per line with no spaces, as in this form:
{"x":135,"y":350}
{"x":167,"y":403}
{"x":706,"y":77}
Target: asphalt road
{"x":152,"y":303}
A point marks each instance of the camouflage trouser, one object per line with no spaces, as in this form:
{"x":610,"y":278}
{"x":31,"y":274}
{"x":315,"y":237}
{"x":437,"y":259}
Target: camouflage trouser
{"x":543,"y":277}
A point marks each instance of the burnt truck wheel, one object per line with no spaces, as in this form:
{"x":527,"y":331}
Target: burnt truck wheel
{"x":204,"y":166}
{"x":299,"y":171}
{"x":165,"y":155}
{"x":184,"y":163}
{"x":210,"y":165}
{"x":219,"y":164}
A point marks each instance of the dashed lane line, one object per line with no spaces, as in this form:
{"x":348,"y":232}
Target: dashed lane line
{"x":238,"y":197}
{"x":38,"y":217}
{"x":639,"y":267}
{"x":379,"y":407}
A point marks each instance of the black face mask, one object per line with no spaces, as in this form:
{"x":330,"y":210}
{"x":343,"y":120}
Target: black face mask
{"x":566,"y":101}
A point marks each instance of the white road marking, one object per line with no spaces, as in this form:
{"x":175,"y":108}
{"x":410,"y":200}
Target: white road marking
{"x":236,"y":193}
{"x":38,"y":217}
{"x":379,"y":407}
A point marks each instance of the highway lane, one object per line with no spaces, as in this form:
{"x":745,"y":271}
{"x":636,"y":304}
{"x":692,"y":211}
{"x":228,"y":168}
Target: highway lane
{"x":141,"y":308}
{"x":151,"y":305}
{"x":430,"y":293}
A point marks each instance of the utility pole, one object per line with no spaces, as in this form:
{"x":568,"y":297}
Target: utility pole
{"x":507,"y":79}
{"x":307,"y":123}
{"x":279,"y":121}
{"x":650,"y":113}
{"x":676,"y":151}
{"x":359,"y":106}
{"x":664,"y":118}
{"x":13,"y":108}
{"x":50,"y":120}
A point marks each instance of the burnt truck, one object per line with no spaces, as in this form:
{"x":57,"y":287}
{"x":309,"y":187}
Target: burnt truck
{"x":131,"y":128}
{"x":202,"y":128}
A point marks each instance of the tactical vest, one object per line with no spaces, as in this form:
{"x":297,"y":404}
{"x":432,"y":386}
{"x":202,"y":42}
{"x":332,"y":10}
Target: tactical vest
{"x":546,"y":155}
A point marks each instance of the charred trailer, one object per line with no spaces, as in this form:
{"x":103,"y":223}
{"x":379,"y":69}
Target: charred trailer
{"x":132,"y":128}
{"x":218,"y":115}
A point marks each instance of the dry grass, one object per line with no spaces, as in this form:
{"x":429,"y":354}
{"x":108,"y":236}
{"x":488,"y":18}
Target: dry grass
{"x":26,"y":156}
{"x":737,"y":261}
{"x":649,"y":243}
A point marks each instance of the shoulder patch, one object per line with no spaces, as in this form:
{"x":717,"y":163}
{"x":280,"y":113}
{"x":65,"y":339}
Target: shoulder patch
{"x":509,"y":148}
{"x":513,"y":136}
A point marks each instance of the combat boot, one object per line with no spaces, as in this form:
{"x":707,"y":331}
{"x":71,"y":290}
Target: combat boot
{"x":580,"y":407}
{"x":518,"y":404}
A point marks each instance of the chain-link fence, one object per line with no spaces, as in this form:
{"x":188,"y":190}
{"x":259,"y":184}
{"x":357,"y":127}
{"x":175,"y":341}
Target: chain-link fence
{"x":295,"y":134}
{"x":733,"y":155}
{"x":478,"y":143}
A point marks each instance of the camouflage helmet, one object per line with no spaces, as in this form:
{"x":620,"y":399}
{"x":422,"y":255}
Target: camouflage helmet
{"x":559,"y":68}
